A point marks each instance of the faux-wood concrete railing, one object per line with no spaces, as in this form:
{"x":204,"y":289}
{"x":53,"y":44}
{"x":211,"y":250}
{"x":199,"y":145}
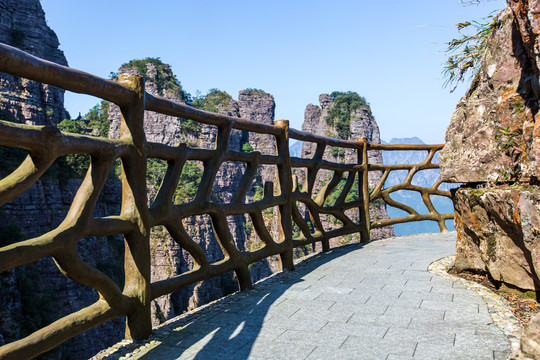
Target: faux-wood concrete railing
{"x":44,"y":144}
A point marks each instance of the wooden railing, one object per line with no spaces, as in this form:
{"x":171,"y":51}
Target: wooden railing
{"x":44,"y":144}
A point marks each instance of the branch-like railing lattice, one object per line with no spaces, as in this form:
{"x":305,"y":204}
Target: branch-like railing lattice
{"x":45,"y":144}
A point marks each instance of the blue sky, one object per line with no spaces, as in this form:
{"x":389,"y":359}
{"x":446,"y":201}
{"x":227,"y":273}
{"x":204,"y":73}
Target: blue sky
{"x":390,"y":52}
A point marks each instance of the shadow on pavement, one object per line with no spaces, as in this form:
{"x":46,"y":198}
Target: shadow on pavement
{"x":230,"y":330}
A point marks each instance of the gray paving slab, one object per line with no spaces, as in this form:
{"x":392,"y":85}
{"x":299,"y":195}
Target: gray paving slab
{"x":376,"y":301}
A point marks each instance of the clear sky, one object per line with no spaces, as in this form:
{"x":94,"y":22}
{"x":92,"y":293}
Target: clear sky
{"x":390,"y":52}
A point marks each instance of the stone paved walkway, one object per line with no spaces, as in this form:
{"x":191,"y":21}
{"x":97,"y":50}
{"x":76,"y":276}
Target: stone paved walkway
{"x":372,"y":302}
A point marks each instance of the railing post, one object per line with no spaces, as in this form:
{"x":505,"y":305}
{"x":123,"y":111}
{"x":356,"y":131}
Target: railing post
{"x":363,"y":189}
{"x":284,"y":179}
{"x":134,"y":208}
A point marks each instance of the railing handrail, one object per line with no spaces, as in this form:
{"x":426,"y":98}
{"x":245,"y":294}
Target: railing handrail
{"x":46,"y":143}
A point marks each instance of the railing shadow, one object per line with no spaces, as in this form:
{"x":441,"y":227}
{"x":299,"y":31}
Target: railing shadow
{"x":232,"y":329}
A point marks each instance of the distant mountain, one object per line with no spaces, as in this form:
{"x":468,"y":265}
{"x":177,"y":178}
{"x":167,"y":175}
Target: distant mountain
{"x":424,"y":178}
{"x":295,"y":149}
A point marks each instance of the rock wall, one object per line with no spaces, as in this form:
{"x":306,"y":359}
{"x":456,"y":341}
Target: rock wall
{"x":491,"y":146}
{"x":499,"y":233}
{"x":168,"y":258}
{"x":34,"y":295}
{"x":23,"y":25}
{"x":490,"y":137}
{"x":362,"y":124}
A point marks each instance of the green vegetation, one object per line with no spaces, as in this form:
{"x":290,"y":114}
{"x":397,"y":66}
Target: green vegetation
{"x":247,"y":148}
{"x":72,"y":165}
{"x":212,"y":100}
{"x":188,"y":183}
{"x":98,"y":118}
{"x":528,"y":295}
{"x":252,"y":91}
{"x":340,"y":115}
{"x":165,"y":80}
{"x":337,"y":151}
{"x":97,"y":122}
{"x":190,"y":127}
{"x":155,"y":171}
{"x":351,"y":196}
{"x":72,"y":126}
{"x":259,"y":193}
{"x":465,"y":52}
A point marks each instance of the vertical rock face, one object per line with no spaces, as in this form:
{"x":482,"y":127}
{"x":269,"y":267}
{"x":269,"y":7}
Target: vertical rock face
{"x":34,"y":295}
{"x":530,"y":341}
{"x":361,"y":124}
{"x":490,"y":137}
{"x":160,"y":81}
{"x":494,"y":141}
{"x":498,"y":232}
{"x":23,"y":25}
{"x":37,"y":294}
{"x":168,"y":258}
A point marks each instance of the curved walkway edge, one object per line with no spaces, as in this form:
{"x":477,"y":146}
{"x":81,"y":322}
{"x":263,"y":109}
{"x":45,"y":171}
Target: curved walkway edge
{"x":373,"y":301}
{"x":498,"y":309}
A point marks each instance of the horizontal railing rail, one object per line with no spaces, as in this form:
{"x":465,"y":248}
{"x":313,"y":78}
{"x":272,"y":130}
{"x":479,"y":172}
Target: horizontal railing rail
{"x":304,"y":204}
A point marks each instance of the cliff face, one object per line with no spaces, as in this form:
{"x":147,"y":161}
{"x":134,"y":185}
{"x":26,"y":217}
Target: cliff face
{"x":37,"y":294}
{"x":33,"y":296}
{"x":360,"y":124}
{"x":168,"y":258}
{"x":491,"y":135}
{"x":492,"y":140}
{"x":23,"y":25}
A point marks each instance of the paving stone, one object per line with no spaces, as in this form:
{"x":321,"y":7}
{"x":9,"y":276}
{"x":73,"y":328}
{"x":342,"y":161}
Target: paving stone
{"x":468,"y":299}
{"x":290,"y":306}
{"x":420,"y":336}
{"x":334,"y":297}
{"x":332,"y":314}
{"x":426,"y":314}
{"x":442,"y":326}
{"x":357,"y":329}
{"x":450,"y":306}
{"x":400,"y":320}
{"x":468,"y":316}
{"x":427,"y":295}
{"x":418,"y":285}
{"x":499,"y":343}
{"x":379,"y":346}
{"x":375,"y":302}
{"x":417,"y":275}
{"x":321,"y":353}
{"x":331,"y":340}
{"x":273,"y":350}
{"x":441,"y":352}
{"x":307,"y":324}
